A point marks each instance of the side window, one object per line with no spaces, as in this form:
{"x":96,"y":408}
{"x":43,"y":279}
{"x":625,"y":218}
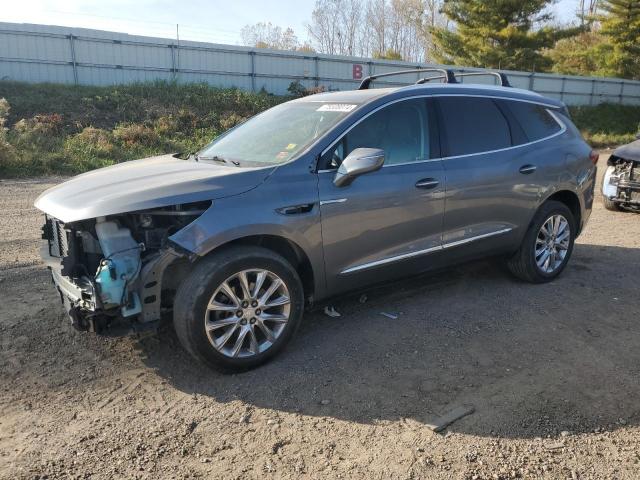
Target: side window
{"x":401,"y":130}
{"x":473,"y":125}
{"x":535,"y":120}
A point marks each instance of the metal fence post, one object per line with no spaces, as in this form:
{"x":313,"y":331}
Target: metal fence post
{"x":73,"y":59}
{"x":173,"y":61}
{"x":532,"y":77}
{"x":564,"y":81}
{"x":316,"y":66}
{"x":621,"y":91}
{"x":252,"y":57}
{"x":593,"y":91}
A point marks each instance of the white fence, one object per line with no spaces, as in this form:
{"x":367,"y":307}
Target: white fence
{"x":44,"y":53}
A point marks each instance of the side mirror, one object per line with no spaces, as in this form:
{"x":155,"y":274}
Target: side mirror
{"x":358,"y":162}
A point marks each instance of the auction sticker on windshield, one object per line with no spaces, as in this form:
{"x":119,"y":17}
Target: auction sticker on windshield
{"x":336,"y":107}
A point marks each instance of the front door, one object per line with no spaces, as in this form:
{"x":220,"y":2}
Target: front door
{"x":386,"y":223}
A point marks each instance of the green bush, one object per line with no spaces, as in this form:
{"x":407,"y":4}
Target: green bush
{"x":607,"y":124}
{"x":230,"y":120}
{"x":40,"y":131}
{"x":136,"y":135}
{"x":297,"y":89}
{"x":91,"y":148}
{"x":608,"y":140}
{"x":8,"y":154}
{"x":71,"y":129}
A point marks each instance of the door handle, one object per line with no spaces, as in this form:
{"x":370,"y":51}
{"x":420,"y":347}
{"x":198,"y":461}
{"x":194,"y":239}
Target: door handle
{"x":527,"y":169}
{"x":427,"y":183}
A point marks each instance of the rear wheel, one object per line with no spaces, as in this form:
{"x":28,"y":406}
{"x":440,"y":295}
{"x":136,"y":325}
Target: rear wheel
{"x":547,"y":245}
{"x":238,"y":308}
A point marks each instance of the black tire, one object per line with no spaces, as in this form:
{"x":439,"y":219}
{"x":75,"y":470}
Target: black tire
{"x":196,"y":290}
{"x":523,"y":263}
{"x":610,"y":205}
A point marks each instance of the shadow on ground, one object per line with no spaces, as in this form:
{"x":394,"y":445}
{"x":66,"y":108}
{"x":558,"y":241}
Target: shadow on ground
{"x":533,"y":359}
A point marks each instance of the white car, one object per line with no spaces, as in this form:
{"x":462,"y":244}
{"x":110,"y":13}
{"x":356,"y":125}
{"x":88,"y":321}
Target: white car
{"x":621,"y":183}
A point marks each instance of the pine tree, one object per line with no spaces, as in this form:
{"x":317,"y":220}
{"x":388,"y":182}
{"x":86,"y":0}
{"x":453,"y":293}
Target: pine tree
{"x":583,"y":54}
{"x":496,"y":34}
{"x":620,"y":24}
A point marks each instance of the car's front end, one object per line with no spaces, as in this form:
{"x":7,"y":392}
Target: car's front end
{"x":107,"y":236}
{"x":621,"y":182}
{"x":110,"y":270}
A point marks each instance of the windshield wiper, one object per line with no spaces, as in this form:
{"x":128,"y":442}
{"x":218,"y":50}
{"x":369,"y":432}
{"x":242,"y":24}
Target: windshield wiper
{"x":216,"y":158}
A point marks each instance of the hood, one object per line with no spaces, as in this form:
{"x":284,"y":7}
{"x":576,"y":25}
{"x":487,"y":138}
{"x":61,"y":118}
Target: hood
{"x":148,"y":183}
{"x":630,"y":151}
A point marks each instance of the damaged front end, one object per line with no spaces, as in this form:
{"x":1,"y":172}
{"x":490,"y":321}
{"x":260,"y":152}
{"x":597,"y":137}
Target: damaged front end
{"x":621,"y":183}
{"x":117,"y":274}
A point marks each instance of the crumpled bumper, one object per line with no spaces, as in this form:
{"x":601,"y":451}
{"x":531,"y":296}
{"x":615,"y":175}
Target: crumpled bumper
{"x":619,"y":190}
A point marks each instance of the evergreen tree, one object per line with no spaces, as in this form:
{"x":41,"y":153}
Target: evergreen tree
{"x":583,"y":54}
{"x":496,"y":34}
{"x":620,"y":24}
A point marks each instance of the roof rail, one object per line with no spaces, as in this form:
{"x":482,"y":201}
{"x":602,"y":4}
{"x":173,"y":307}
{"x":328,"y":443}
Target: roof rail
{"x":428,"y":79}
{"x":504,"y":81}
{"x":447,"y":75}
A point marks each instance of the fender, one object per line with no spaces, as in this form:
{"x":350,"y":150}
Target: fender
{"x":275,"y":213}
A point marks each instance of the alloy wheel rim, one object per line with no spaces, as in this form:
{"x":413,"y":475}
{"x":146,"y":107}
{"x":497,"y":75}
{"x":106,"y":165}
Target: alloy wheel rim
{"x":247,"y":313}
{"x":552,"y":243}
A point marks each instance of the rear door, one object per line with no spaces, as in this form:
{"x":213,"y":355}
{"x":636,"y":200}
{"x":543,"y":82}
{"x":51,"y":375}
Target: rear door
{"x":386,"y":223}
{"x":495,"y":174}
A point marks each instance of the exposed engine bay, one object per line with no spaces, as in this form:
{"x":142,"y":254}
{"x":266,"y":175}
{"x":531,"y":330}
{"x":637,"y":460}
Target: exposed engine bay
{"x":110,"y":271}
{"x":622,"y":182}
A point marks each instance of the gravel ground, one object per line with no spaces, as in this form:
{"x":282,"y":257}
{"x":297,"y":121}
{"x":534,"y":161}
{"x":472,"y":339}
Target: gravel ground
{"x":552,"y":370}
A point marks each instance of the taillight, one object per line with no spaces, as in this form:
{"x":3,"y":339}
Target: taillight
{"x":593,"y":156}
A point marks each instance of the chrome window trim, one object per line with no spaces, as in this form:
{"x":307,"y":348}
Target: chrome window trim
{"x":563,"y":128}
{"x":404,"y":256}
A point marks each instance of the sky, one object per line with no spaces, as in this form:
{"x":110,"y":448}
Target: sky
{"x":218,"y":21}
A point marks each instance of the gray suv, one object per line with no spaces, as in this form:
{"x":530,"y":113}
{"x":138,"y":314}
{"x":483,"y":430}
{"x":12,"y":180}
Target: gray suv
{"x":313,"y":198}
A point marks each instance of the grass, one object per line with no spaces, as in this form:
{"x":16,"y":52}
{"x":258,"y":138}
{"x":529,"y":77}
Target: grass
{"x":59,"y":129}
{"x":607,"y":125}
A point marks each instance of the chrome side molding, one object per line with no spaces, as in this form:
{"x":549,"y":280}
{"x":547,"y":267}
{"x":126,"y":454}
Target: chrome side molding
{"x":335,"y":200}
{"x":404,"y":256}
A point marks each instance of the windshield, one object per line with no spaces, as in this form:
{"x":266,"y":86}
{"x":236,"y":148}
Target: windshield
{"x":278,"y":134}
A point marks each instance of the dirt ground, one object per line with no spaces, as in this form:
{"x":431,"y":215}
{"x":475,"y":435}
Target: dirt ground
{"x":552,"y":370}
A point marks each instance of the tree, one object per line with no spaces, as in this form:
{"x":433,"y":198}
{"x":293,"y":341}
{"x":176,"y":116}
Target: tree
{"x":507,"y":34}
{"x":390,"y":54}
{"x":367,"y":27}
{"x":267,"y":35}
{"x":582,"y":54}
{"x":587,"y":10}
{"x":620,"y":25}
{"x":335,"y":26}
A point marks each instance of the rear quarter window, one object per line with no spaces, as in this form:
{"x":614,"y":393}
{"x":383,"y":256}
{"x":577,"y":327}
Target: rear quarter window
{"x":473,"y":125}
{"x":535,"y":120}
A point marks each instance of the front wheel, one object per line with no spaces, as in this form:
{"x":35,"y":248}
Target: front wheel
{"x":547,"y":245}
{"x":238,"y":308}
{"x":610,"y":204}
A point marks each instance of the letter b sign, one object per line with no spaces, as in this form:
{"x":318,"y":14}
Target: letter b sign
{"x":357,"y":71}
